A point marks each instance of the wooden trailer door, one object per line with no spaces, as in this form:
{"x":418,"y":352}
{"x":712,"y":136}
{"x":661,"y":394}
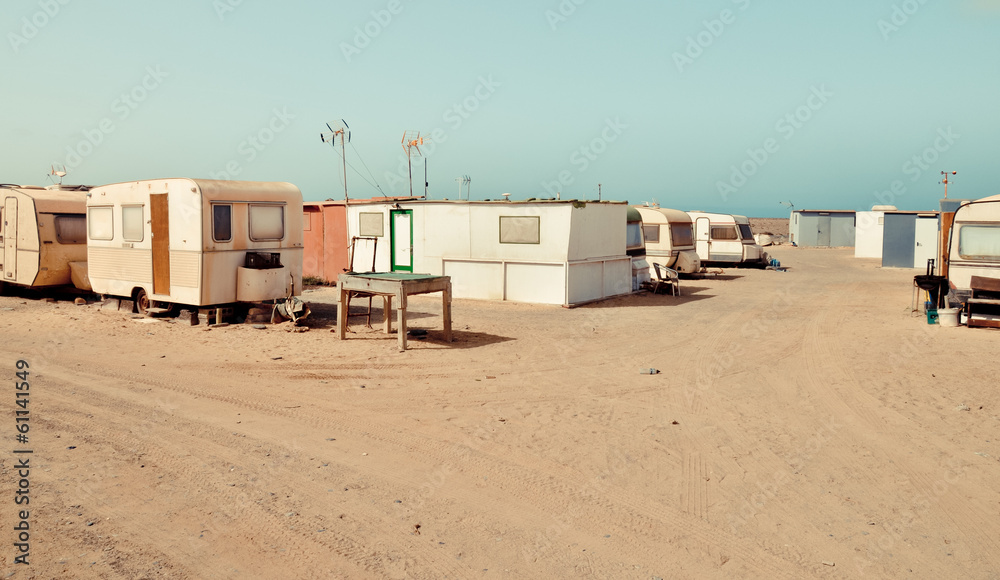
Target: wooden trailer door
{"x":160,"y":226}
{"x":10,"y":238}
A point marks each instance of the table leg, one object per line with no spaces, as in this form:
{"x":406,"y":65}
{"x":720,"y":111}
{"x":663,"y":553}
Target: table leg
{"x":342,"y":313}
{"x":387,"y":310}
{"x":446,"y":311}
{"x":401,"y":320}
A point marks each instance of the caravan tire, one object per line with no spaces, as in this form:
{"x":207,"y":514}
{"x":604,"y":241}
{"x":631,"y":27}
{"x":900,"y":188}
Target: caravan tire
{"x":142,"y":301}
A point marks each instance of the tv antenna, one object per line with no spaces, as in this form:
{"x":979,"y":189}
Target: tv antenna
{"x":944,"y":180}
{"x":412,"y":140}
{"x":344,"y":132}
{"x":467,"y":182}
{"x":60,"y":172}
{"x":789,"y":204}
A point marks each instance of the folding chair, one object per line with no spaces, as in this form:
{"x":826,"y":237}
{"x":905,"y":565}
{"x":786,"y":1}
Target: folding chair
{"x":666,"y":277}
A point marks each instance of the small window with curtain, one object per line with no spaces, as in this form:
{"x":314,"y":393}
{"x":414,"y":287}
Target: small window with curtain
{"x":132,"y":223}
{"x":724,"y":233}
{"x":681,"y":235}
{"x":651,"y":233}
{"x":520,"y":230}
{"x":267,"y":222}
{"x":222,"y":222}
{"x":633,"y":236}
{"x":101,"y":223}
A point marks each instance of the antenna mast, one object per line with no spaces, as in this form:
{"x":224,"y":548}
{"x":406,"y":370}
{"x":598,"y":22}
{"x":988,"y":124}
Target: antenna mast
{"x":344,"y":132}
{"x":61,"y":172}
{"x":944,"y":180}
{"x":413,"y":140}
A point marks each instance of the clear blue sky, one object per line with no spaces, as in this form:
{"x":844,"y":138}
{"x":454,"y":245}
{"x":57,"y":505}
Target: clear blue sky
{"x":727,"y":105}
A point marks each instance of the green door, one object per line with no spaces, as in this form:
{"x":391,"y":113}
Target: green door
{"x":401,"y":239}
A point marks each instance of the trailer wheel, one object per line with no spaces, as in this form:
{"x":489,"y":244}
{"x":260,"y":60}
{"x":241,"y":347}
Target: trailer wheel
{"x":142,"y":301}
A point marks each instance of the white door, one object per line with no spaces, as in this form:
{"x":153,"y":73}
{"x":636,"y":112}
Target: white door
{"x":10,"y":238}
{"x":702,"y":242}
{"x":925,"y":241}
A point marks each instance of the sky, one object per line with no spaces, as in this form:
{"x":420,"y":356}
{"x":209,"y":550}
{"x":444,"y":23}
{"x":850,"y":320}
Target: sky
{"x":736,"y":106}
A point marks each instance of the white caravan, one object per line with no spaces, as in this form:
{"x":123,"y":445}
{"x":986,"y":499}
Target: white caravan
{"x":195,"y":242}
{"x":43,"y":230}
{"x":669,"y":235}
{"x":974,"y":244}
{"x":725,"y":240}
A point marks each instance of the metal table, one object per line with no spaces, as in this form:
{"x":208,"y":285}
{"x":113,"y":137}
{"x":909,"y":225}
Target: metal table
{"x":398,"y":285}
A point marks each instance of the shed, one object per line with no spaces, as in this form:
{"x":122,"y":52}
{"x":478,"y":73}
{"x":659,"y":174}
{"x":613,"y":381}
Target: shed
{"x":325,"y":239}
{"x":868,"y":231}
{"x":550,"y":252}
{"x":824,"y":228}
{"x":327,"y":243}
{"x":909,"y":238}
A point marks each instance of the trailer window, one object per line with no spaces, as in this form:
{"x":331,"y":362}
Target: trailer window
{"x":71,"y":229}
{"x":651,"y":233}
{"x":520,"y":229}
{"x":371,"y":224}
{"x":307,"y":221}
{"x":745,"y":232}
{"x":267,"y":222}
{"x":132,"y":223}
{"x":101,"y":223}
{"x":222,"y":223}
{"x":680,"y":235}
{"x":979,"y":242}
{"x":724,"y":233}
{"x":633,"y":235}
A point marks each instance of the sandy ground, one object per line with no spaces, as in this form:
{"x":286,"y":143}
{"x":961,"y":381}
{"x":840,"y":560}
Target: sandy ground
{"x":804,"y":425}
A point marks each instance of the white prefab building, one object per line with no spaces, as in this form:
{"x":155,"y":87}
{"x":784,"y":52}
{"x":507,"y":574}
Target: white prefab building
{"x":909,"y":239}
{"x":548,"y":252}
{"x":195,"y":242}
{"x":868,"y":231}
{"x":43,"y":233}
